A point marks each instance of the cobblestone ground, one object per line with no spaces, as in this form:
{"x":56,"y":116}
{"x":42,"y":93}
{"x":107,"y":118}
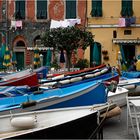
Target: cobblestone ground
{"x":116,"y":127}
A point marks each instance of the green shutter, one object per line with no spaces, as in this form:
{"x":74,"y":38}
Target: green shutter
{"x":96,"y":8}
{"x":127,"y":10}
{"x":41,"y":9}
{"x":20,"y":9}
{"x":70,"y":9}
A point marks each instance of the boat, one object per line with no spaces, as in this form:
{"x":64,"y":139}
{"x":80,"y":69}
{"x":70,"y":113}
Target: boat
{"x":119,"y":96}
{"x":97,"y":74}
{"x":63,"y":123}
{"x":88,"y":93}
{"x":70,"y":73}
{"x":130,"y":74}
{"x":41,"y":72}
{"x":12,"y":91}
{"x":16,"y":79}
{"x":133,"y":85}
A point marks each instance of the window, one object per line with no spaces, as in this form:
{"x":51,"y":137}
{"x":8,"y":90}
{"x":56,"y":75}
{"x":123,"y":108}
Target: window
{"x":127,"y":10}
{"x":96,"y":8}
{"x":127,"y":32}
{"x":20,"y":9}
{"x":70,"y":9}
{"x":41,"y":9}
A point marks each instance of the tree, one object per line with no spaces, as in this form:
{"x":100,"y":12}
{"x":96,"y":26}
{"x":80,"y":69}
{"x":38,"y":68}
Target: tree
{"x":68,"y":39}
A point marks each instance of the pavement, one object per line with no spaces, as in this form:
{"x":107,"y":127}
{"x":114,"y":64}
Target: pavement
{"x":116,"y":127}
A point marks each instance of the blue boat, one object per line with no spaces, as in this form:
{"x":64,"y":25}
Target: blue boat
{"x":12,"y":91}
{"x":130,"y":74}
{"x":87,"y":93}
{"x":99,"y":74}
{"x":41,"y":72}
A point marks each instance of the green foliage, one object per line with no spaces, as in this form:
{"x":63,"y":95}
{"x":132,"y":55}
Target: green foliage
{"x":82,"y":63}
{"x":55,"y":64}
{"x":68,"y":39}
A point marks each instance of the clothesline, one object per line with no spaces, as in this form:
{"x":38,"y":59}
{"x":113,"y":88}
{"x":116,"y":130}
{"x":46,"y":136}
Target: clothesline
{"x":16,"y":24}
{"x":64,"y":23}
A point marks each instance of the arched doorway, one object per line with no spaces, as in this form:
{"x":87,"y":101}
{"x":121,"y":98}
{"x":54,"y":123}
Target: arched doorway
{"x":95,"y":54}
{"x":20,"y":54}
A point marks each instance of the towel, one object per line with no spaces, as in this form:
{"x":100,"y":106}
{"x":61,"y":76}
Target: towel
{"x":18,"y":24}
{"x":121,"y":22}
{"x":13,"y":24}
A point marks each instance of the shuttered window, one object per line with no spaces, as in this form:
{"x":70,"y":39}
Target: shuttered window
{"x":70,"y":9}
{"x":20,"y":9}
{"x":96,"y":8}
{"x":127,"y":10}
{"x":41,"y":9}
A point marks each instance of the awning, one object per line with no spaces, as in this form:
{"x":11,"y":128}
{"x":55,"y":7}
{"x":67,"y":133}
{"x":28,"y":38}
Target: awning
{"x":126,"y":41}
{"x":40,"y":48}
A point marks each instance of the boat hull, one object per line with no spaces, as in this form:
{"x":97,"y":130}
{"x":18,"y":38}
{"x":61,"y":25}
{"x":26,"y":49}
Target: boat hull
{"x":80,"y":95}
{"x":62,"y":123}
{"x":81,"y":128}
{"x":31,"y":80}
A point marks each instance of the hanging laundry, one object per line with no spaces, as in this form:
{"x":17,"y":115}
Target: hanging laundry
{"x":18,"y":24}
{"x":127,"y":22}
{"x":132,"y":20}
{"x":72,"y":22}
{"x":13,"y":24}
{"x":121,"y":22}
{"x":55,"y":24}
{"x":65,"y":23}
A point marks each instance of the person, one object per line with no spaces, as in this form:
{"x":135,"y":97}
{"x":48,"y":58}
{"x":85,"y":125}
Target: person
{"x":138,"y":65}
{"x":133,"y":64}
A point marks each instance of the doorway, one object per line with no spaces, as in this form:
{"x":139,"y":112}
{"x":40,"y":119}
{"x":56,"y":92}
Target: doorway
{"x":20,"y":60}
{"x":128,"y":52}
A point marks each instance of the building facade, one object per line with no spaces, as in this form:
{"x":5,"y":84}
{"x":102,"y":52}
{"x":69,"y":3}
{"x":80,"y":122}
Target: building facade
{"x":22,"y":22}
{"x":116,"y":26}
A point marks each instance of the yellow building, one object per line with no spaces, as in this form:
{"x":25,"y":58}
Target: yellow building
{"x":116,"y":26}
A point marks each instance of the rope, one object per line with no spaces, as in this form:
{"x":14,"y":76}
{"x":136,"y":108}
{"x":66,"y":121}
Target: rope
{"x":100,"y":124}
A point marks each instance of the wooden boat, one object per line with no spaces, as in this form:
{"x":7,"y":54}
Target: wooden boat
{"x":41,"y":72}
{"x":103,"y":74}
{"x":118,"y":97}
{"x":11,"y":91}
{"x":133,"y":85}
{"x":87,"y":93}
{"x":130,"y":74}
{"x":77,"y":71}
{"x":65,"y":123}
{"x":17,"y":79}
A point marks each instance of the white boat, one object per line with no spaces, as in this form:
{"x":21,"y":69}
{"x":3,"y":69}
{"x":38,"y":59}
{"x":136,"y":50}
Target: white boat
{"x":119,"y":96}
{"x":133,"y":85}
{"x":74,"y":122}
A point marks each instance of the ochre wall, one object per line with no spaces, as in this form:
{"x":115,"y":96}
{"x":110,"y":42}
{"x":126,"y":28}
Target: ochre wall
{"x":104,"y":35}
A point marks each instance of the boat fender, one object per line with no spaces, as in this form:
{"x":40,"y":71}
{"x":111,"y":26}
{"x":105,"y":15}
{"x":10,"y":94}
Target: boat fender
{"x":89,"y":75}
{"x":75,"y":79}
{"x":97,"y":73}
{"x":58,"y":77}
{"x":57,"y":85}
{"x":132,"y":86}
{"x":25,"y":122}
{"x":28,"y":104}
{"x":104,"y":70}
{"x":113,"y":112}
{"x":65,"y":81}
{"x":49,"y":84}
